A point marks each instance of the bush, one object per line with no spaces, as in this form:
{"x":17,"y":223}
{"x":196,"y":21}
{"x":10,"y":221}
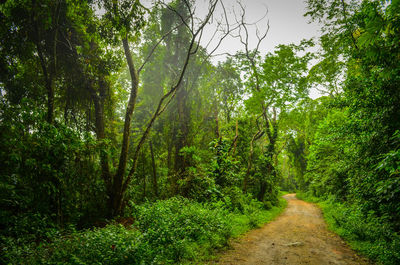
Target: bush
{"x":48,"y":176}
{"x":165,"y":232}
{"x":176,"y":228}
{"x":254,"y":215}
{"x":110,"y":245}
{"x":370,"y":235}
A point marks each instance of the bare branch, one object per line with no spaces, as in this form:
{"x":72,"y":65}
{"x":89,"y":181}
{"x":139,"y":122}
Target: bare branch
{"x":243,"y":37}
{"x":226,"y":33}
{"x":190,"y":12}
{"x":169,"y":95}
{"x":222,"y":54}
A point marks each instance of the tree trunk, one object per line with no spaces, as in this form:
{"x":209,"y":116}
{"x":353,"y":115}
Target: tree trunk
{"x":236,"y":137}
{"x":217,"y":135}
{"x":269,"y":153}
{"x":50,"y":98}
{"x":117,"y":193}
{"x":181,"y":139}
{"x":100,"y":133}
{"x":183,"y":130}
{"x":49,"y":67}
{"x":153,"y":164}
{"x":255,"y":137}
{"x":261,"y":193}
{"x":49,"y":84}
{"x":169,"y":157}
{"x":144,"y":176}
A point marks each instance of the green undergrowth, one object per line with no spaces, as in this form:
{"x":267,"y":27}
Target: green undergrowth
{"x":366,"y":233}
{"x":173,"y":231}
{"x":242,"y":223}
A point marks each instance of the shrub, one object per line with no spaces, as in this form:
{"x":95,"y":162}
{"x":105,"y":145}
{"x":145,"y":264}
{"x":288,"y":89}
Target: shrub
{"x":113,"y":244}
{"x":48,"y":177}
{"x":367,"y":233}
{"x":165,"y":232}
{"x":175,"y":228}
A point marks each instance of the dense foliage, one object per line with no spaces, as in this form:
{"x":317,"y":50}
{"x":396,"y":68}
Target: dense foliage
{"x":165,"y":232}
{"x":114,"y":111}
{"x":352,"y":151}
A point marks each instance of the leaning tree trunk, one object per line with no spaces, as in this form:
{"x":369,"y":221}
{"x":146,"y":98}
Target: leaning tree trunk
{"x":153,"y":165}
{"x":116,"y":194}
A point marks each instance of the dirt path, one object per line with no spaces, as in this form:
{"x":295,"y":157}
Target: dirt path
{"x":298,"y":236}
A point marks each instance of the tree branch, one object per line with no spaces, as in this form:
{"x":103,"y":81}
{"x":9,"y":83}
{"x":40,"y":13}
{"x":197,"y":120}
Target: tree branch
{"x":171,"y":93}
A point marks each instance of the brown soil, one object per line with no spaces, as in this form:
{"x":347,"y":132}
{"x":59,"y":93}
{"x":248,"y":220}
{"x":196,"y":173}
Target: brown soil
{"x":298,"y":236}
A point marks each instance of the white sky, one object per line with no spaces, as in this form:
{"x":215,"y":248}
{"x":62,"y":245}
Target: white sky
{"x":286,"y":21}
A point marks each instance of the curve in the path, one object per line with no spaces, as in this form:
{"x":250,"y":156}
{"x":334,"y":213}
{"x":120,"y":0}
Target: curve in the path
{"x":298,"y":236}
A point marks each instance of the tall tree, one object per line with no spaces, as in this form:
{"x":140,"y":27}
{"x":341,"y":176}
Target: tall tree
{"x":280,"y":79}
{"x":124,"y":18}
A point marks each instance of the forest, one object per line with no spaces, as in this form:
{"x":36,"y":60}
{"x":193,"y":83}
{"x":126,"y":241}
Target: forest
{"x":123,"y":140}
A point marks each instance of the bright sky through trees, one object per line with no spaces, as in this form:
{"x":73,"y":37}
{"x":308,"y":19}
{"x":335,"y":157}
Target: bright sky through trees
{"x":285,"y":18}
{"x":286,"y":25}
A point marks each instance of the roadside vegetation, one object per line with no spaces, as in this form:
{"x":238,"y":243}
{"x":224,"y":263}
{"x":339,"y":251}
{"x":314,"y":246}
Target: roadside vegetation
{"x":171,"y":231}
{"x":371,"y":236}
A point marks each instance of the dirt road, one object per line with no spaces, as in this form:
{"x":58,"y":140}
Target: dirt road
{"x":298,"y":236}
